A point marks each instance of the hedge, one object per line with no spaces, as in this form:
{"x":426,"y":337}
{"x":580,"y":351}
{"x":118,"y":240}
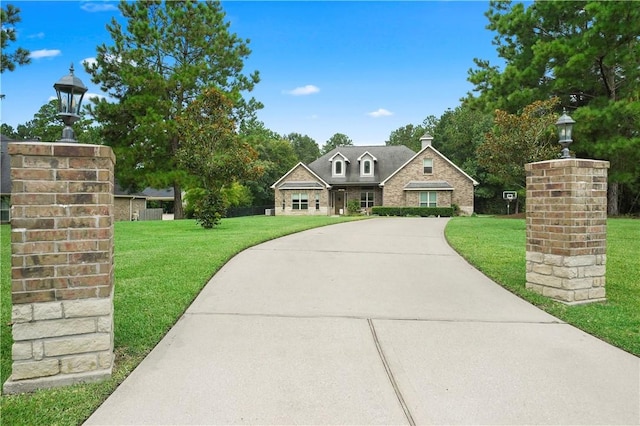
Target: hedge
{"x":413,"y":211}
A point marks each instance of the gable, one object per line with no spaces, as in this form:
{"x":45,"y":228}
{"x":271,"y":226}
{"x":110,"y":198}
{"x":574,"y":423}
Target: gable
{"x":440,"y":163}
{"x":300,"y":177}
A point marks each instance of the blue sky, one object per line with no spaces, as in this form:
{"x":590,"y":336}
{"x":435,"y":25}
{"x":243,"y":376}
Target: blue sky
{"x":359,"y":68}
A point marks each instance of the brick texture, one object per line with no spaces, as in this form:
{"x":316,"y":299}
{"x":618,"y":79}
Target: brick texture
{"x":566,"y":229}
{"x":62,"y":262}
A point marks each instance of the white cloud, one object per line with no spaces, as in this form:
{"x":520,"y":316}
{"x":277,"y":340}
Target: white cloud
{"x":89,"y":61}
{"x":381,"y":112}
{"x":90,"y":95}
{"x":38,"y":35}
{"x":309,"y":89}
{"x":98,"y":7}
{"x":44,"y":53}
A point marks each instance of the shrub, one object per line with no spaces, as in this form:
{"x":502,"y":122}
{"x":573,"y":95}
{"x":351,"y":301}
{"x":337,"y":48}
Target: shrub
{"x":353,"y":207}
{"x":209,"y":209}
{"x":413,"y":211}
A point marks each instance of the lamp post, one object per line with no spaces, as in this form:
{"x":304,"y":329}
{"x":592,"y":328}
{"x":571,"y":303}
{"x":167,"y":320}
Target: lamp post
{"x":565,"y":126}
{"x":70,"y":91}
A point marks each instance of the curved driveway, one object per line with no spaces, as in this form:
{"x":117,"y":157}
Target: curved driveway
{"x":371,"y":322}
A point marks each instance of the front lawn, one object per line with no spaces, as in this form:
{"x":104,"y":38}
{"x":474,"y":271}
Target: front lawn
{"x":161,"y":266}
{"x":496,"y":246}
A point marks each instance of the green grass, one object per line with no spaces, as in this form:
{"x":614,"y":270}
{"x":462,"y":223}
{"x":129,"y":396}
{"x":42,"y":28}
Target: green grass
{"x":160,"y":267}
{"x":496,"y":246}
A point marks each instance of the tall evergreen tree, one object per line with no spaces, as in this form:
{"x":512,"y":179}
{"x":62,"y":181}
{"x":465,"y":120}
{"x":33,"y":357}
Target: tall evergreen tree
{"x":20,"y":56}
{"x":586,"y":53}
{"x":338,"y":139}
{"x":166,"y":57}
{"x":304,"y":146}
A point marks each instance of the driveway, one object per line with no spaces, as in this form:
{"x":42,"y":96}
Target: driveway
{"x":371,"y":322}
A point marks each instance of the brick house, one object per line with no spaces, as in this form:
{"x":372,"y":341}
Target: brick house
{"x":393,"y":176}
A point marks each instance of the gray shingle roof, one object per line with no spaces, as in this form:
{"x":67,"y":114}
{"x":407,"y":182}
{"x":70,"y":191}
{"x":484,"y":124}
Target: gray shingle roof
{"x":434,"y":185}
{"x":390,"y":158}
{"x":302,"y":185}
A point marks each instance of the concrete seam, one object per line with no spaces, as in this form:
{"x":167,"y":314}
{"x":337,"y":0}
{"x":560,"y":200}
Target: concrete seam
{"x":392,"y":379}
{"x":355,"y":317}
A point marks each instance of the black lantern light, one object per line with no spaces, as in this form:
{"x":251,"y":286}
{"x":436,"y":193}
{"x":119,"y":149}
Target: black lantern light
{"x":565,"y":126}
{"x":70,"y":91}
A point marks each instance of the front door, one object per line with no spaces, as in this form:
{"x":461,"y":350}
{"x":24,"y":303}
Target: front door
{"x":339,"y":202}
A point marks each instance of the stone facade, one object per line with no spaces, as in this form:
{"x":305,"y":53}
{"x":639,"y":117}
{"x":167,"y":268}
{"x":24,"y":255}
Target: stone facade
{"x":283,"y":197}
{"x":62,"y":264}
{"x":394,"y":194}
{"x":566,"y":229}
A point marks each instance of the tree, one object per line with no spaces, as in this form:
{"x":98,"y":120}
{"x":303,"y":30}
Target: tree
{"x":458,"y":135}
{"x":410,"y":134}
{"x":168,"y":55}
{"x":338,"y":139}
{"x":275,"y":156}
{"x":211,"y":151}
{"x":585,"y":53}
{"x":518,"y":139}
{"x":10,"y":17}
{"x":46,"y":126}
{"x":305,"y":147}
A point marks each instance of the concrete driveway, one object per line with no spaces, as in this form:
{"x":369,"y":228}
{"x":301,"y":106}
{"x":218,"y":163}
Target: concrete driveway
{"x":371,"y":322}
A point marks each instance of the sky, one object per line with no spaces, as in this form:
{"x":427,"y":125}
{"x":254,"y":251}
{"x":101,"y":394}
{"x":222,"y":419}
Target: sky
{"x":363,"y":68}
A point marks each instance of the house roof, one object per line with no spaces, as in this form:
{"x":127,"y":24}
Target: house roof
{"x":389,"y":159}
{"x":314,"y":174}
{"x":434,"y":185}
{"x":302,"y":185}
{"x":158,"y":194}
{"x":118,"y":191}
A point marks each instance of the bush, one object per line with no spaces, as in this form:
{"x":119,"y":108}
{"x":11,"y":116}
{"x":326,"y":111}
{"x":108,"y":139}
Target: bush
{"x":413,"y":211}
{"x":209,"y":209}
{"x":353,"y":207}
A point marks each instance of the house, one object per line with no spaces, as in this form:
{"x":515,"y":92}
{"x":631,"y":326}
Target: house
{"x":127,"y":206}
{"x":393,"y":176}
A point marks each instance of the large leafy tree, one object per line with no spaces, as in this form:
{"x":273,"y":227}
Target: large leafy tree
{"x":587,"y":54}
{"x":212,"y":152}
{"x":275,"y":157}
{"x":457,"y":135}
{"x":165,"y":57}
{"x":518,"y":139}
{"x":20,"y":56}
{"x":305,"y":147}
{"x":338,"y":139}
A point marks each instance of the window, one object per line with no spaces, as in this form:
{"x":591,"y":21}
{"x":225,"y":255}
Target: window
{"x":366,"y":199}
{"x":366,"y":167}
{"x":337,"y":164}
{"x":427,"y":165}
{"x":300,"y":201}
{"x":428,"y":199}
{"x":317,"y":201}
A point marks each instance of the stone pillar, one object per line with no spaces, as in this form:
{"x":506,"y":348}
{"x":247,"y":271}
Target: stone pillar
{"x":61,"y":264}
{"x":567,"y":229}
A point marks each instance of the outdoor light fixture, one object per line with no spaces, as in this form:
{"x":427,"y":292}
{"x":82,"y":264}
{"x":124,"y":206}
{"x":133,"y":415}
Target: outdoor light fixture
{"x":70,"y":91}
{"x":565,"y":125}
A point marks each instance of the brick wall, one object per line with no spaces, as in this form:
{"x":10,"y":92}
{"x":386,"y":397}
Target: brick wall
{"x":61,"y":264}
{"x":566,"y":229}
{"x":394,"y":193}
{"x":300,"y":174}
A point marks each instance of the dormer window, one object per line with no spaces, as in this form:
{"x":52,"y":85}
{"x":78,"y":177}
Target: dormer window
{"x":338,"y":165}
{"x":367,"y":164}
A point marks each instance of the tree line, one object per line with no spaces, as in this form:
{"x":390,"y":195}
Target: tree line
{"x":183,"y":118}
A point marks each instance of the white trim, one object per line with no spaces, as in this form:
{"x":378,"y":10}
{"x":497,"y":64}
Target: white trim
{"x":475,"y":182}
{"x":369,"y":154}
{"x":341,"y":155}
{"x":326,"y":185}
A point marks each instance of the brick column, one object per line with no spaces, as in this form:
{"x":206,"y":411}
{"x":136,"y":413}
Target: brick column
{"x":567,"y":229}
{"x":62,"y":264}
